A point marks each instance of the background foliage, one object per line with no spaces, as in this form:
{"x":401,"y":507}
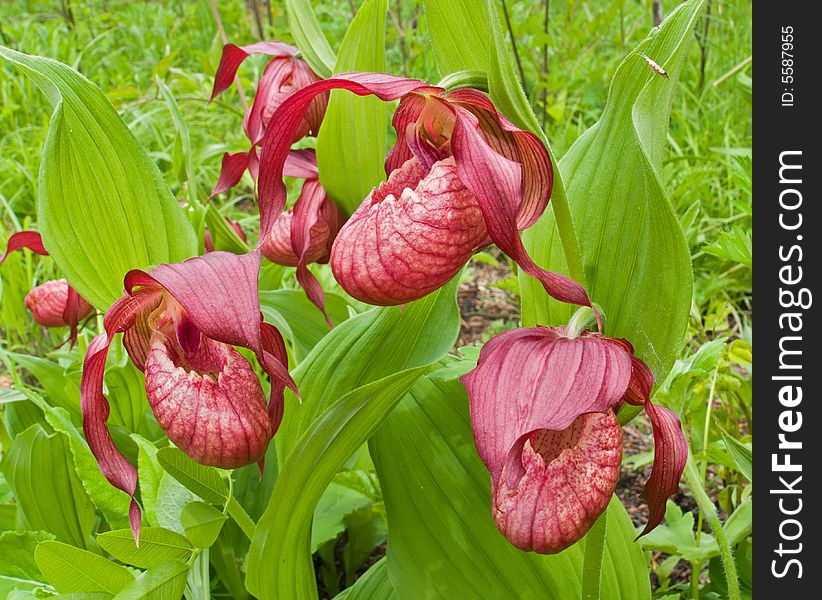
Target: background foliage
{"x":154,"y":62}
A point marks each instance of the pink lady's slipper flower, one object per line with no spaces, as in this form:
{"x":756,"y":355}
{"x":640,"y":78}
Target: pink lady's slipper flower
{"x":543,"y":410}
{"x":460,"y":177}
{"x":283,"y":75}
{"x":180,"y":323}
{"x":53,"y":303}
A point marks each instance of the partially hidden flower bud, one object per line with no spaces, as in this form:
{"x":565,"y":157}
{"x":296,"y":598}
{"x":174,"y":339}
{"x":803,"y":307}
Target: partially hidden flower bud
{"x":543,"y":411}
{"x":47,"y":303}
{"x":210,"y":403}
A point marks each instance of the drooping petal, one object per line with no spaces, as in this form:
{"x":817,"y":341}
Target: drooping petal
{"x":497,"y":184}
{"x":30,"y":240}
{"x":233,"y":56}
{"x":272,"y":89}
{"x":410,"y":236}
{"x":517,"y":145}
{"x":533,"y":379}
{"x":116,"y":469}
{"x":209,"y":402}
{"x":277,"y":140}
{"x":315,"y":224}
{"x":568,"y":479}
{"x":231,"y":171}
{"x":670,"y":456}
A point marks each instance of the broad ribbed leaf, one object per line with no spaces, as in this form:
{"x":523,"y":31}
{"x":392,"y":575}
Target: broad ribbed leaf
{"x":157,"y":545}
{"x":352,"y":138}
{"x":378,"y":355}
{"x":459,"y":34}
{"x":367,"y":347}
{"x":50,"y":496}
{"x":103,"y":207}
{"x":309,"y":37}
{"x":17,"y":554}
{"x":443,"y":541}
{"x":636,"y":259}
{"x":71,"y":569}
{"x":279,"y":562}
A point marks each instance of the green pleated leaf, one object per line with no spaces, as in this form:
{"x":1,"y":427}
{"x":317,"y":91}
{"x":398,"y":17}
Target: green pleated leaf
{"x":202,"y":523}
{"x":157,"y":545}
{"x":374,"y":584}
{"x":637,"y":262}
{"x":298,"y":319}
{"x":459,"y":34}
{"x":203,"y":480}
{"x":367,"y":347}
{"x":443,"y":542}
{"x":279,"y":562}
{"x":111,"y":502}
{"x":71,"y":569}
{"x":17,"y":554}
{"x":349,"y":382}
{"x":352,"y":138}
{"x":103,"y":207}
{"x":61,"y":388}
{"x":166,"y":581}
{"x":309,"y":37}
{"x":50,"y":496}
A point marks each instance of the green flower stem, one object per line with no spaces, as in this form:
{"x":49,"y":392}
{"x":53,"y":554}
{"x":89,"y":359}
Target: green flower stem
{"x":243,"y":520}
{"x":592,"y":562}
{"x":706,"y":507}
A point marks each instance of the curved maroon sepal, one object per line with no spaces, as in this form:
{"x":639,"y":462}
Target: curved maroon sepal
{"x":116,"y":469}
{"x":30,"y":240}
{"x":670,"y":456}
{"x":497,"y":184}
{"x":233,"y":56}
{"x":231,"y":171}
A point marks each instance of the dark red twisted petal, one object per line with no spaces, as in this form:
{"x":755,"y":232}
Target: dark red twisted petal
{"x":670,"y":456}
{"x":233,"y":56}
{"x":497,"y":184}
{"x":117,"y":470}
{"x":30,"y":240}
{"x":231,"y":171}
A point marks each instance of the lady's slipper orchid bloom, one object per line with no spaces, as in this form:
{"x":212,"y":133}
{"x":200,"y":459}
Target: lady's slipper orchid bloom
{"x":461,"y":176}
{"x":284,"y":74}
{"x":543,"y":409}
{"x":53,"y":303}
{"x":180,"y":324}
